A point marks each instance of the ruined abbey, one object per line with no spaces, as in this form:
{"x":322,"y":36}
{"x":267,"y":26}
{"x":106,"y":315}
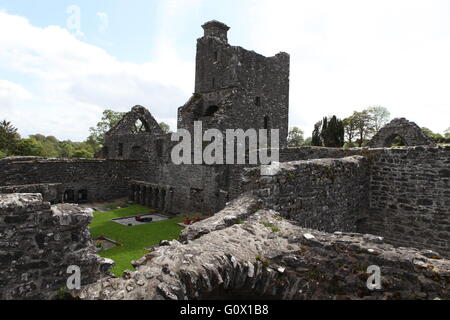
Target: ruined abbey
{"x":309,"y":230}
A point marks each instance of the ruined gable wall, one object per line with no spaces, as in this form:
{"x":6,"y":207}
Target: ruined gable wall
{"x":38,"y":243}
{"x":410,"y":197}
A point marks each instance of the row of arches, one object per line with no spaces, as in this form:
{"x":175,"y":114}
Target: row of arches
{"x":75,"y":196}
{"x":151,"y":195}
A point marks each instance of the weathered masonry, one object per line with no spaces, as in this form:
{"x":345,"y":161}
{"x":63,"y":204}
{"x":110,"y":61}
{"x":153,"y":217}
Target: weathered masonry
{"x":39,"y":242}
{"x":236,"y":88}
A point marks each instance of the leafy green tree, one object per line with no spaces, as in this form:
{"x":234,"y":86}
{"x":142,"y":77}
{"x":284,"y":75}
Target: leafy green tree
{"x":363,"y":126}
{"x":308,"y":141}
{"x":447,"y":133}
{"x":2,"y":154}
{"x":97,"y":134}
{"x":65,"y":149}
{"x":165,"y":127}
{"x":437,"y":137}
{"x":295,"y":137}
{"x":29,"y":147}
{"x":82,"y":154}
{"x":350,"y":130}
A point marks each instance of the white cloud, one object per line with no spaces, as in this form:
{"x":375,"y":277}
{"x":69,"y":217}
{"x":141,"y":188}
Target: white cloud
{"x":104,"y":21}
{"x":75,"y":81}
{"x":348,"y":55}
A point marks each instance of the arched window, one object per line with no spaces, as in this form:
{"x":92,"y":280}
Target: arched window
{"x":258,"y":101}
{"x":139,"y":126}
{"x":396,"y":141}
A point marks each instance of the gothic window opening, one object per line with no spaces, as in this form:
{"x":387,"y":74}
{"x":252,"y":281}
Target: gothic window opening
{"x":69,"y":196}
{"x":258,"y":101}
{"x":120,"y":150}
{"x":396,"y":141}
{"x":139,"y":127}
{"x":213,"y":83}
{"x":216,"y":56}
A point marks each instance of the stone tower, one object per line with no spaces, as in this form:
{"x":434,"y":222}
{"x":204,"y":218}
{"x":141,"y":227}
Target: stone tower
{"x":236,"y":88}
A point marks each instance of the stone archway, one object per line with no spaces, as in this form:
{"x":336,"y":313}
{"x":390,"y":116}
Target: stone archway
{"x":408,"y":131}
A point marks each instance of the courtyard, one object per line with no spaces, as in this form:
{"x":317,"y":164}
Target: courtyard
{"x":132,"y":239}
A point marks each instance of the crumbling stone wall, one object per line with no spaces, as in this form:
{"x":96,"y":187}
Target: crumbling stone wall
{"x":410,"y":132}
{"x":324,"y":194}
{"x":39,"y":242}
{"x":243,"y":252}
{"x":51,"y":192}
{"x":307,"y":153}
{"x":410,"y":197}
{"x":96,"y":179}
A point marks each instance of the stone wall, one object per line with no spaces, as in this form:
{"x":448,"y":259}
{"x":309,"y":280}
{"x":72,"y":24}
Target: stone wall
{"x":82,"y":180}
{"x":306,"y":153}
{"x":324,"y":194}
{"x":51,"y":192}
{"x":39,"y":242}
{"x":410,"y":197}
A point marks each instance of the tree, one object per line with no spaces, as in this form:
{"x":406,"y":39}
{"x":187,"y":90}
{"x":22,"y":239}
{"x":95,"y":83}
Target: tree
{"x":165,"y":127}
{"x":328,"y":133}
{"x":109,"y":119}
{"x":447,"y":133}
{"x":350,"y":129}
{"x":335,"y":133}
{"x":379,"y":117}
{"x":82,"y":154}
{"x":8,"y":137}
{"x":332,"y":132}
{"x":363,"y":127}
{"x":308,"y":141}
{"x":295,"y":137}
{"x":29,"y":147}
{"x":316,"y":140}
{"x":436,"y":137}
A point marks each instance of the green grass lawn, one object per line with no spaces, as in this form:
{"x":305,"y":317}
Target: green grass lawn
{"x":133,"y":239}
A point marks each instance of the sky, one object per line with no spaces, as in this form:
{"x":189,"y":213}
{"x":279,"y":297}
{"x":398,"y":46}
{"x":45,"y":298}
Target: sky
{"x":63,"y":62}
